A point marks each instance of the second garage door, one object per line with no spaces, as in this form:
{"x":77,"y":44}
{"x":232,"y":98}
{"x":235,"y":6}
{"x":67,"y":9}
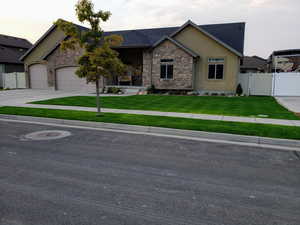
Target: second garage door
{"x":67,"y":80}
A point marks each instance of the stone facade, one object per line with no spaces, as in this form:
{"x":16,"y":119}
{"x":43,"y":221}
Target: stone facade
{"x":183,"y":67}
{"x":147,"y":68}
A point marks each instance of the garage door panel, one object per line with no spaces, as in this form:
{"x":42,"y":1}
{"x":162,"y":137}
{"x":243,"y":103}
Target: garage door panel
{"x":67,"y":80}
{"x":38,"y":76}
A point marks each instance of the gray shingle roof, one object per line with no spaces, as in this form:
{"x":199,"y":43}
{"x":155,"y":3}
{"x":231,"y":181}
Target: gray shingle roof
{"x":14,"y":42}
{"x":10,"y":55}
{"x":231,"y":33}
{"x":253,"y":62}
{"x":12,"y":48}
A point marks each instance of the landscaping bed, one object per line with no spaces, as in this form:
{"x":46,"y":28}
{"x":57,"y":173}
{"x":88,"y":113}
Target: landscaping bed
{"x":252,"y":129}
{"x":253,"y":106}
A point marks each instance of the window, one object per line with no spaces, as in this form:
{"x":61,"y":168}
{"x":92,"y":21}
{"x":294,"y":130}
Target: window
{"x":215,"y":68}
{"x":166,"y":69}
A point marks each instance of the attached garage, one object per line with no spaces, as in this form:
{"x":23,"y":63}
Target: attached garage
{"x":38,"y":76}
{"x":67,"y":80}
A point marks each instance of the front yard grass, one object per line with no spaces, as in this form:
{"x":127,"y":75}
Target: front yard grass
{"x":252,"y":129}
{"x":252,"y":106}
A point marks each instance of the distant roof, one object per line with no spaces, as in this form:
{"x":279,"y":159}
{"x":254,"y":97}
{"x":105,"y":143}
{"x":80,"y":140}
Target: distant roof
{"x":287,"y":52}
{"x":231,"y":34}
{"x":253,"y":62}
{"x":10,"y":55}
{"x":14,"y":42}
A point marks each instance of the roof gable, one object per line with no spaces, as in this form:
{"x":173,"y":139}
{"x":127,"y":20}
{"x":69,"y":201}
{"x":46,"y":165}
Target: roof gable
{"x":202,"y":30}
{"x":184,"y":48}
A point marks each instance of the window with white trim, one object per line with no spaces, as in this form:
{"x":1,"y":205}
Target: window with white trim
{"x":166,"y":69}
{"x":216,"y":68}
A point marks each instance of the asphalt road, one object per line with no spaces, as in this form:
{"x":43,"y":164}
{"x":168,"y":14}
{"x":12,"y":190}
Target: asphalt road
{"x":109,"y":178}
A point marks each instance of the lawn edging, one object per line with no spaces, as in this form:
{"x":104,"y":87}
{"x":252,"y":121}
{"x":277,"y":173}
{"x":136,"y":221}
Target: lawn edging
{"x":274,"y":143}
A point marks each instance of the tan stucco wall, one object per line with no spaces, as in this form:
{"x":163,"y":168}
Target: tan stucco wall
{"x":209,"y":48}
{"x":44,"y":47}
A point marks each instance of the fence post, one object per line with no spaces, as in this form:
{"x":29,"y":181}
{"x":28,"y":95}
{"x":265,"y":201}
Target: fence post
{"x":274,"y":84}
{"x":249,"y":84}
{"x":16,"y":75}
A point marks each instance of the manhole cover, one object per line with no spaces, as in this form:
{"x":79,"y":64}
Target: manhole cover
{"x":47,"y":135}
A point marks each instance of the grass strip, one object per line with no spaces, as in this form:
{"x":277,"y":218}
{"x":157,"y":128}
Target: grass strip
{"x":252,"y":106}
{"x":252,"y":129}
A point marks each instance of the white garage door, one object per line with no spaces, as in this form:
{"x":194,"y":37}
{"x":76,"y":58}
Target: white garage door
{"x":38,"y":76}
{"x":67,"y":80}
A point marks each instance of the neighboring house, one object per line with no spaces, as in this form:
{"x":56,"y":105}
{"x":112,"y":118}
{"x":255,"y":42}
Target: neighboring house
{"x":253,"y":64}
{"x":11,"y":49}
{"x":284,"y":61}
{"x":203,"y":58}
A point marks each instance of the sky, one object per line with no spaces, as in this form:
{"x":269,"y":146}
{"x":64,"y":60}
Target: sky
{"x":270,"y":24}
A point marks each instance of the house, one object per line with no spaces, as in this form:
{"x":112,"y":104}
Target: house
{"x":203,"y":58}
{"x":253,"y":64}
{"x":284,"y":61}
{"x":11,"y":49}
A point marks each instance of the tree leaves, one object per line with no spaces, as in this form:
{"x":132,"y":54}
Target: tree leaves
{"x":98,"y":59}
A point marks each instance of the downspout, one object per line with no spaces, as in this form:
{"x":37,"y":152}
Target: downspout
{"x":274,"y":76}
{"x":237,"y":82}
{"x":151,"y":82}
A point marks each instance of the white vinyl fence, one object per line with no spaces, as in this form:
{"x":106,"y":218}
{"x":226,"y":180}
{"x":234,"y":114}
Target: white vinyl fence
{"x":270,"y":84}
{"x":286,"y":84}
{"x":14,"y":80}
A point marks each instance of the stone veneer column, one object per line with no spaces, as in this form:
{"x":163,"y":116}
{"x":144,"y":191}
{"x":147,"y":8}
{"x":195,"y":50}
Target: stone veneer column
{"x":147,"y":61}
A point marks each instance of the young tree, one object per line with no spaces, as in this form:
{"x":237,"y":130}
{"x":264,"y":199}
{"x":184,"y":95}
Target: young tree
{"x":99,"y":59}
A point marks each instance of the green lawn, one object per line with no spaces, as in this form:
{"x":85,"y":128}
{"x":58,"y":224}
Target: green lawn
{"x":229,"y":106}
{"x":266,"y":130}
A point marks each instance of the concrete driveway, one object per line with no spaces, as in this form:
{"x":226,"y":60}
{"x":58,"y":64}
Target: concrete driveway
{"x":291,"y":103}
{"x":22,"y":96}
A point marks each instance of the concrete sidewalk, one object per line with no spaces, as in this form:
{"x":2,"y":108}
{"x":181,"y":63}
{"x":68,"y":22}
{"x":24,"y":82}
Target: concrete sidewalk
{"x":291,"y":103}
{"x":173,"y":114}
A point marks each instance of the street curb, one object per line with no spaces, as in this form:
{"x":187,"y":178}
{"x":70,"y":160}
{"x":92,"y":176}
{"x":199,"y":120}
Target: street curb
{"x":159,"y":131}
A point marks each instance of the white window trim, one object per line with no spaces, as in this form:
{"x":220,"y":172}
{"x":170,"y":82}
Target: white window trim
{"x":215,"y":77}
{"x":166,"y":75}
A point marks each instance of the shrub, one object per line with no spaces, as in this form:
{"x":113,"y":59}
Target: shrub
{"x":113,"y":90}
{"x":151,"y":89}
{"x":239,"y":90}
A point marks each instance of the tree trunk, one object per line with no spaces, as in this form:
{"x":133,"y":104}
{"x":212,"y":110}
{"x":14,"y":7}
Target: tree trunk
{"x":98,"y":98}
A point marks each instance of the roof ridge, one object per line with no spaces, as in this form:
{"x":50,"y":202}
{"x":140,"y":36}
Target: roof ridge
{"x":231,"y":37}
{"x":172,"y":27}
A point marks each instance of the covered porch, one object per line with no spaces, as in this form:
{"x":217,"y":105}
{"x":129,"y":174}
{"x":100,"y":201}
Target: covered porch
{"x":133,"y":58}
